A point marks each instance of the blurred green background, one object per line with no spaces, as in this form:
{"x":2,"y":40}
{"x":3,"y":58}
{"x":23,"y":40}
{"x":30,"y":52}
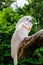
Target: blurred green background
{"x":8,"y":20}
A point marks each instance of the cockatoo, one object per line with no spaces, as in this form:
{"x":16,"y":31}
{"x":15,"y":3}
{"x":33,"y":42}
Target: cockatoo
{"x":23,"y":27}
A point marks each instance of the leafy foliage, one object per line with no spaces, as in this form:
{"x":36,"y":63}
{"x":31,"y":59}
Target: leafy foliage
{"x":5,"y":3}
{"x":36,"y":60}
{"x":8,"y":20}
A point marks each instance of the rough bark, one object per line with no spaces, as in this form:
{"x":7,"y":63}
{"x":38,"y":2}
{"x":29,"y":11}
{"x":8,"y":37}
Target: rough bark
{"x":30,"y":44}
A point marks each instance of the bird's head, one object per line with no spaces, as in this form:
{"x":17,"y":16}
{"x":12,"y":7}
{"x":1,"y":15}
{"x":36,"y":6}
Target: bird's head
{"x":25,"y":22}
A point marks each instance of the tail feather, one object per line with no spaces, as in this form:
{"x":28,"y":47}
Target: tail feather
{"x":15,"y":60}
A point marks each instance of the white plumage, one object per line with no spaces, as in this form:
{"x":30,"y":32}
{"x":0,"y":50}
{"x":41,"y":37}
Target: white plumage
{"x":23,"y":27}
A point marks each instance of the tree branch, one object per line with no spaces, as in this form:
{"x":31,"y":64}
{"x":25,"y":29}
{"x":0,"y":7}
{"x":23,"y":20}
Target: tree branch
{"x":30,"y":44}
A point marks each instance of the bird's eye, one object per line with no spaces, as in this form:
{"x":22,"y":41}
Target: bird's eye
{"x":27,"y":19}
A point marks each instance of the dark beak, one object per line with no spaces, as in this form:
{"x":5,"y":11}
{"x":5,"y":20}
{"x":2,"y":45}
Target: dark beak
{"x":30,"y":20}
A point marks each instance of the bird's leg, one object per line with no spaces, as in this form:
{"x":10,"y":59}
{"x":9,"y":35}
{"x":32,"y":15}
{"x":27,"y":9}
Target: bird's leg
{"x":15,"y":59}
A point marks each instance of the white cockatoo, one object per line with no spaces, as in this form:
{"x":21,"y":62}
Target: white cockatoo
{"x":23,"y":27}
